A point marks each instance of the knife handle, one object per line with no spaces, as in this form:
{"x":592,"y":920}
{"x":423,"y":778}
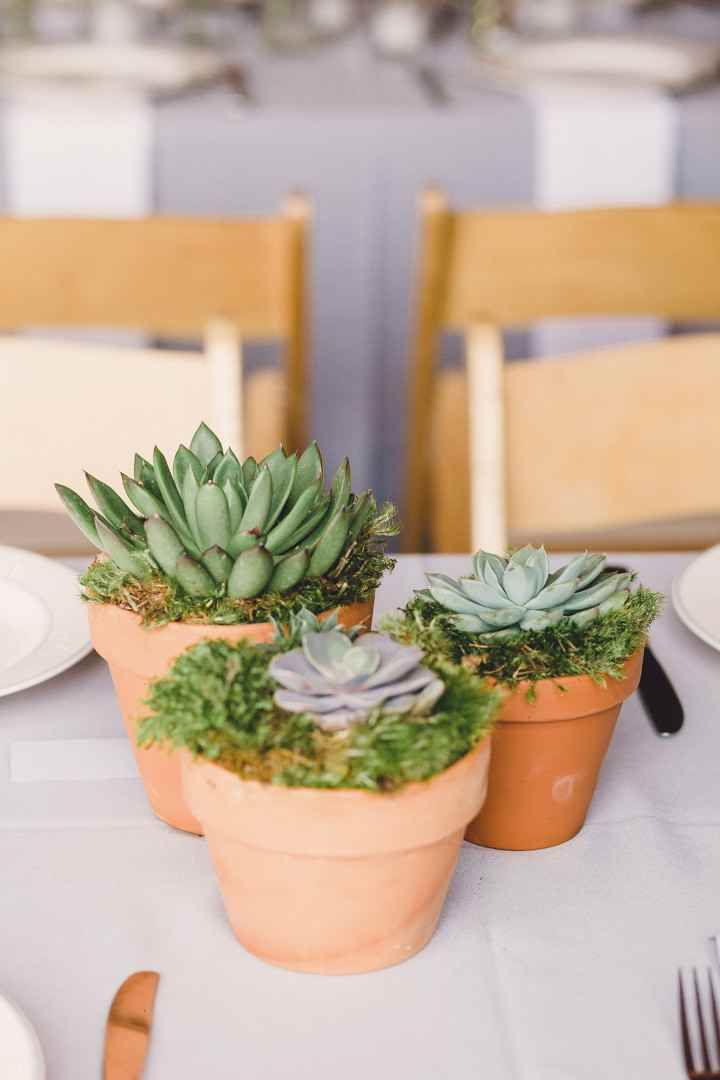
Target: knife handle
{"x":658,"y":696}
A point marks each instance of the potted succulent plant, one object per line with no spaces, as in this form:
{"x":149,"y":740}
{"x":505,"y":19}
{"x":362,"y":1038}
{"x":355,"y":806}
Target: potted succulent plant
{"x":566,"y":647}
{"x":216,"y":547}
{"x":333,"y":775}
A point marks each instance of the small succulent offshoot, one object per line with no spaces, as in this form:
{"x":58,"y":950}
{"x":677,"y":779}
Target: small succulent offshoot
{"x":503,"y":596}
{"x":291,"y":632}
{"x":214,"y":524}
{"x":339,"y":682}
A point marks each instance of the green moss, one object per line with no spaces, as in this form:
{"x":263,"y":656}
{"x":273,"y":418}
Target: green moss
{"x":160,"y":600}
{"x":217,"y":701}
{"x":598,"y":649}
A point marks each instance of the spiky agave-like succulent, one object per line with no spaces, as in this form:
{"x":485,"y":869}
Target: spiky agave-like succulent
{"x":340,"y":682}
{"x":503,"y":596}
{"x":212,"y":520}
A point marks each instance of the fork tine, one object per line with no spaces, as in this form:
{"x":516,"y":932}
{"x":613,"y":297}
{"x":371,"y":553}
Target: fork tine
{"x":715,"y":1014}
{"x":687,"y":1045}
{"x":701,"y":1024}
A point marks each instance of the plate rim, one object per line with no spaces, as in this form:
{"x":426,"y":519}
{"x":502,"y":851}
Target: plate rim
{"x":681,"y":611}
{"x":25,"y":1024}
{"x":69,"y":660}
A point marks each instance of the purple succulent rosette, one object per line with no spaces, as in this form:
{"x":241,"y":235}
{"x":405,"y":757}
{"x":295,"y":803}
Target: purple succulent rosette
{"x":339,"y":682}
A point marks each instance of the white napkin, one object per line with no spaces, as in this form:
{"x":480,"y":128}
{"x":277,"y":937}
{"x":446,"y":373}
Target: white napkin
{"x":71,"y":759}
{"x":601,"y":147}
{"x":78,"y":153}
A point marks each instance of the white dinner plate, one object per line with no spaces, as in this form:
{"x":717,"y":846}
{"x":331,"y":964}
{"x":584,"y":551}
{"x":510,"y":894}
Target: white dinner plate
{"x":696,"y":596}
{"x":21,"y":1056}
{"x":152,"y":69}
{"x":616,"y":60}
{"x":43,"y":624}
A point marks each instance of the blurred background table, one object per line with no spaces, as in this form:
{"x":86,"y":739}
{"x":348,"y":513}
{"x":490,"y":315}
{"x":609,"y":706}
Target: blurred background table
{"x":361,"y":136}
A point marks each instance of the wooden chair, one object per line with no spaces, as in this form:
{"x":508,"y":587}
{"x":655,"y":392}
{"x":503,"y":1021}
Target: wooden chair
{"x":599,"y":447}
{"x":68,"y":405}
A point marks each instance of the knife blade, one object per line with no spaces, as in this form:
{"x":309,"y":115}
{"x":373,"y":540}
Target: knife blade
{"x":656,"y":692}
{"x":127,"y":1032}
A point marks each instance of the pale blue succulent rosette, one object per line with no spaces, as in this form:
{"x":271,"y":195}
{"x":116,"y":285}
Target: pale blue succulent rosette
{"x":340,"y":682}
{"x":212,"y":523}
{"x":302,"y":622}
{"x":503,"y":596}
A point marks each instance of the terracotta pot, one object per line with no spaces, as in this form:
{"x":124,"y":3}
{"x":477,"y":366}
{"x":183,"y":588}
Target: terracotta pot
{"x":335,"y":882}
{"x":546,"y":758}
{"x":136,"y":655}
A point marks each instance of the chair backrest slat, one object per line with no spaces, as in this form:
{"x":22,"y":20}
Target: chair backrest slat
{"x":613,"y":437}
{"x":503,"y":268}
{"x":514,"y":267}
{"x":165,"y":275}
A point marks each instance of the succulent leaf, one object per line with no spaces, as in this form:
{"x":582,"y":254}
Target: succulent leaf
{"x":243,"y":541}
{"x":205,"y":444}
{"x":250,"y":471}
{"x":257,"y":510}
{"x":235,"y":501}
{"x":279,"y":536}
{"x":144,"y":473}
{"x":330,"y":544}
{"x":283,"y":477}
{"x":341,"y":484}
{"x":362,"y":510}
{"x":218,"y":562}
{"x":121,"y":553}
{"x":185,"y":459}
{"x":507,"y":595}
{"x":142,"y":498}
{"x":229,"y":468}
{"x":112,"y":506}
{"x":190,"y":491}
{"x":309,"y":471}
{"x":169,"y":491}
{"x":312,"y":528}
{"x":213,"y":516}
{"x":251,"y":573}
{"x":165,"y":547}
{"x":193,"y":577}
{"x":80,"y":512}
{"x":290,"y":571}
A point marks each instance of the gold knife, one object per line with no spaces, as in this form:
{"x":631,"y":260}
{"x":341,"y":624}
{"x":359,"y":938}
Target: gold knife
{"x":127,"y":1033}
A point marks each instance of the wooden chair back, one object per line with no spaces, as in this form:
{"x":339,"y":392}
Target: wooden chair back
{"x":480,"y":272}
{"x":71,"y":406}
{"x":168,"y":276}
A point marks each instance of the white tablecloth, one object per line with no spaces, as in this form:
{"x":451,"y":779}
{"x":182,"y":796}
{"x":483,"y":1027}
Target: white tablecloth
{"x":555,"y":965}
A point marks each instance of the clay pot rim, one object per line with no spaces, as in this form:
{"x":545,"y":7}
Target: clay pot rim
{"x":514,"y":701}
{"x":134,"y":617}
{"x":342,"y":795}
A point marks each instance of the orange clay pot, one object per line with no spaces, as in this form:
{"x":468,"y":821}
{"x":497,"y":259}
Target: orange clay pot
{"x":335,"y":882}
{"x":136,"y":655}
{"x":546,"y":758}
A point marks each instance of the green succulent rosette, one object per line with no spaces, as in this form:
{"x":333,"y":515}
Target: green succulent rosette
{"x":218,"y":526}
{"x":504,"y":595}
